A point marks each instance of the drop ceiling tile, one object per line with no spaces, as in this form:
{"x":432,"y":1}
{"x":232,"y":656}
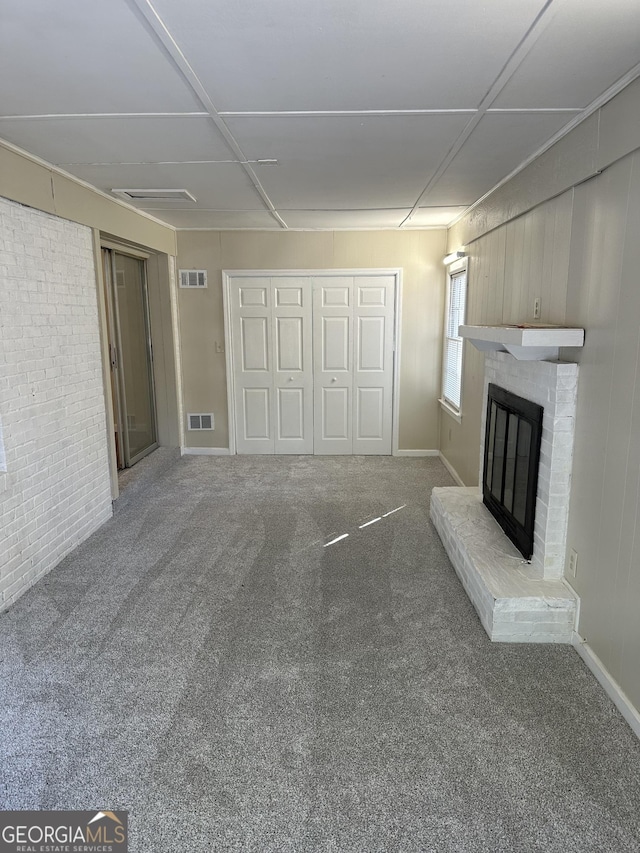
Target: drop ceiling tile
{"x":84,"y":57}
{"x":434,"y":217}
{"x":215,"y":186}
{"x":346,"y":162}
{"x":498,"y":145}
{"x":343,"y":219}
{"x":222,"y":220}
{"x":117,"y":140}
{"x":328,"y":55}
{"x":586,"y":47}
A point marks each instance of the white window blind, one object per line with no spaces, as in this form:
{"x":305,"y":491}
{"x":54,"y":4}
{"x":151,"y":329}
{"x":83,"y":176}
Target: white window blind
{"x":452,"y":362}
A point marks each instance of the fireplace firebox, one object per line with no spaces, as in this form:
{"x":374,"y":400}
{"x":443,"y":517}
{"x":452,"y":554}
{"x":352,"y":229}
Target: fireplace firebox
{"x":511,"y":458}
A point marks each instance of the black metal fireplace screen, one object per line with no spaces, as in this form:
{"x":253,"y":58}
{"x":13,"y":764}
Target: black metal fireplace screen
{"x":511,"y":458}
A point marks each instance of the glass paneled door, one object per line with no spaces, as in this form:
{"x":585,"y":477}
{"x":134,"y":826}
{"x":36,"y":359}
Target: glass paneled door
{"x":131,"y":356}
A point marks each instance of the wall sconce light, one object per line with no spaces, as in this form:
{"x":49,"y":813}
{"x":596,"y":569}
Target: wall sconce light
{"x":454,"y":256}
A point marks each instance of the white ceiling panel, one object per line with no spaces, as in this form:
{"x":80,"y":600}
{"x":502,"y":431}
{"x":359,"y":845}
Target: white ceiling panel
{"x":215,"y":186}
{"x":343,"y":219}
{"x":498,"y":145}
{"x":218,"y":219}
{"x":347,"y":161}
{"x":82,"y":56}
{"x":363,"y":104}
{"x":433,"y":217}
{"x":130,"y":140}
{"x":587,"y":46}
{"x":332,"y":54}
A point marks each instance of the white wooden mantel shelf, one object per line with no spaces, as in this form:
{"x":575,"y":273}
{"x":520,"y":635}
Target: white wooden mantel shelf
{"x":526,"y":342}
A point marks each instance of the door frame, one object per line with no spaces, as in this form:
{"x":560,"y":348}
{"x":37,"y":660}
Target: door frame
{"x":227,"y":275}
{"x":114,"y":323}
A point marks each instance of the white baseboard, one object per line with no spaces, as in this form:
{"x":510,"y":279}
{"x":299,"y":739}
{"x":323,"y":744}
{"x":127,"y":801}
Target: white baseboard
{"x":204,"y":451}
{"x":451,"y":470}
{"x":417,"y":453}
{"x":610,"y":685}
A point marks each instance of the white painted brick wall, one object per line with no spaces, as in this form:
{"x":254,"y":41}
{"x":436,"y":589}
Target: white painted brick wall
{"x":55,"y":490}
{"x":552,"y":385}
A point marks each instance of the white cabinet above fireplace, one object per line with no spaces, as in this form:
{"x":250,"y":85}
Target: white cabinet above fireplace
{"x":526,"y":342}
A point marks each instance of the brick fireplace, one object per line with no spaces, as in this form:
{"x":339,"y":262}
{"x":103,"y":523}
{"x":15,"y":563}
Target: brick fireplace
{"x":519,"y":601}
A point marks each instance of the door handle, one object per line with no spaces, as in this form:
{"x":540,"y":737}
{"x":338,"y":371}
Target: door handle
{"x":291,"y":379}
{"x":335,"y":379}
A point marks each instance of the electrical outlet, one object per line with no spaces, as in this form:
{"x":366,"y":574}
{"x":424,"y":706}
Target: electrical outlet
{"x":219,"y":347}
{"x":573,"y":563}
{"x":536,"y":307}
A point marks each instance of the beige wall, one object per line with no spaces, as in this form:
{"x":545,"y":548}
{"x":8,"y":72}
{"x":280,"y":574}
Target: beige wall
{"x":32,"y":182}
{"x":579,"y":251}
{"x":418,"y":253}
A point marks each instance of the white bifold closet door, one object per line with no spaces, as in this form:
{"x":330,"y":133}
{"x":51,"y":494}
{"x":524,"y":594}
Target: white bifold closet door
{"x":271,"y":339}
{"x":353,"y":328}
{"x":313,"y":363}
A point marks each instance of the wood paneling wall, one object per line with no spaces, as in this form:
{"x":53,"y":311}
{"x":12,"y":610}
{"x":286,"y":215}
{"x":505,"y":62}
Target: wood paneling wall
{"x":580,"y":252}
{"x":508,"y":268}
{"x":604,"y":518}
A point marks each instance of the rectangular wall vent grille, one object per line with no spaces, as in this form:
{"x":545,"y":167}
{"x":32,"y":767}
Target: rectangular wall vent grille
{"x":200,"y":421}
{"x":193,"y":278}
{"x":154,"y":194}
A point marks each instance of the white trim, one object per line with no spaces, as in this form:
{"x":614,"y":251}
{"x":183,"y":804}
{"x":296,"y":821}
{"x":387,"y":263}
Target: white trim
{"x":58,"y":116}
{"x":416,"y":453}
{"x":397,"y":350}
{"x":227,"y":275}
{"x":327,"y":273}
{"x":455,"y":259}
{"x":228,"y":356}
{"x":327,"y":230}
{"x":606,"y":680}
{"x":124,"y":249}
{"x":204,"y":451}
{"x":451,"y":470}
{"x":448,"y":408}
{"x":454,"y":269}
{"x":459,"y":265}
{"x":177,"y":350}
{"x":357,"y":113}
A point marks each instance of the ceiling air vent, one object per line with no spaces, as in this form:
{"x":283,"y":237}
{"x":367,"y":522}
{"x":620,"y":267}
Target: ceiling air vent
{"x":193,"y":278}
{"x":200,"y":421}
{"x":154,"y":195}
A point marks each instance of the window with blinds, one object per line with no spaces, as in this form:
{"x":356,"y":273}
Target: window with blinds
{"x":452,"y":360}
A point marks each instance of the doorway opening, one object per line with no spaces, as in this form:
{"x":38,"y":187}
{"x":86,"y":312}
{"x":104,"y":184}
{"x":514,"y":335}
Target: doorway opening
{"x":130,"y":356}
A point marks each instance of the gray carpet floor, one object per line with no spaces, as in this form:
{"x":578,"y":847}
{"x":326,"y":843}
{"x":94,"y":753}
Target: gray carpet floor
{"x":209,"y":663}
